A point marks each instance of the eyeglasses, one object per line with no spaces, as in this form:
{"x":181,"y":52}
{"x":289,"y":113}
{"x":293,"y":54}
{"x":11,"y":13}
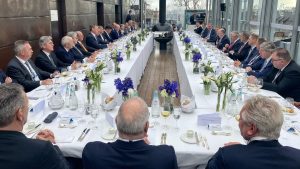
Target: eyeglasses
{"x":275,"y":60}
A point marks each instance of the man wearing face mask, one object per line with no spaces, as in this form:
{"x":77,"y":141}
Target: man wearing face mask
{"x":16,"y":150}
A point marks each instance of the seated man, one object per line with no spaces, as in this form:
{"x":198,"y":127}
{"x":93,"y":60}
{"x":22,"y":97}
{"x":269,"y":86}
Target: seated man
{"x":130,"y":150}
{"x":257,"y":61}
{"x":262,"y":70}
{"x":101,"y":39}
{"x":107,"y":34}
{"x":81,"y":46}
{"x":4,"y":78}
{"x":46,"y":58}
{"x":223,"y":40}
{"x":63,"y":51}
{"x":245,"y":59}
{"x":199,"y":28}
{"x":92,"y":38}
{"x":284,"y":77}
{"x":22,"y":70}
{"x":16,"y":150}
{"x":235,"y":44}
{"x":243,"y":50}
{"x":209,"y":33}
{"x":260,"y":124}
{"x":115,"y":31}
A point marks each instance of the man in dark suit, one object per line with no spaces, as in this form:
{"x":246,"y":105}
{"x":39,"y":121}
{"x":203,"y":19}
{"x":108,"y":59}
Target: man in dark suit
{"x":107,"y":34}
{"x":22,"y":70}
{"x":101,"y":38}
{"x":260,"y":124}
{"x":16,"y":150}
{"x":4,"y":78}
{"x":130,"y":150}
{"x":114,"y":34}
{"x":92,"y":38}
{"x":243,"y":50}
{"x":209,"y":33}
{"x":285,"y":76}
{"x":257,"y":61}
{"x":128,"y":17}
{"x":199,"y":28}
{"x":46,"y":59}
{"x":223,"y":39}
{"x":193,"y":18}
{"x":245,"y":59}
{"x":64,"y":53}
{"x":262,"y":69}
{"x":235,"y":44}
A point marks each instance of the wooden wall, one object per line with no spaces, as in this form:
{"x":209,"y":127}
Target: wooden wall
{"x":30,"y":19}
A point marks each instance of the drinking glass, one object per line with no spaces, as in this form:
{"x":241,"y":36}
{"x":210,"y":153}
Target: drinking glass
{"x":259,"y":83}
{"x":289,"y":104}
{"x":165,"y":114}
{"x":176,"y":115}
{"x":94,"y":115}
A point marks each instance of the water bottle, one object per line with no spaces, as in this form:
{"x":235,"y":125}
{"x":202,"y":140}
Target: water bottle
{"x":67,"y":95}
{"x":77,"y":84}
{"x":73,"y":101}
{"x":155,"y":107}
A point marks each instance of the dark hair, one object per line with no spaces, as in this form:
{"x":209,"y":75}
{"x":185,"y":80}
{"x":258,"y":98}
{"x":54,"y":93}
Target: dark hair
{"x":108,"y":27}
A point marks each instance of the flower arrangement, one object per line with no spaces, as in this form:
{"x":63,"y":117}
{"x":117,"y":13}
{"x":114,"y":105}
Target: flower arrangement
{"x":207,"y":68}
{"x":182,"y":35}
{"x":169,"y":89}
{"x":223,"y":82}
{"x":196,"y":58}
{"x":134,"y":41}
{"x":206,"y":84}
{"x":117,"y":58}
{"x":128,"y":49}
{"x":187,"y":42}
{"x":124,"y":86}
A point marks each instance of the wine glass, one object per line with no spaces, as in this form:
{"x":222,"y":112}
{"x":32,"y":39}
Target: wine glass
{"x":94,"y":115}
{"x":165,"y":114}
{"x":176,"y":116}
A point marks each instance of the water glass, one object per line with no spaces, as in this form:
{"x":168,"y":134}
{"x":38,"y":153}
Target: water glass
{"x":176,"y":115}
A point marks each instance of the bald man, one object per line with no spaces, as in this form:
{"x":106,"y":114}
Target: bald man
{"x":130,"y":150}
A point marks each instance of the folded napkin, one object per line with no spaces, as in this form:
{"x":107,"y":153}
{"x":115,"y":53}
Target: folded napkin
{"x":206,"y":119}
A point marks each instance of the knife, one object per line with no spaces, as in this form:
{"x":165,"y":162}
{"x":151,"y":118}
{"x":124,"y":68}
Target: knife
{"x":86,"y":132}
{"x":197,"y":139}
{"x":81,"y":135}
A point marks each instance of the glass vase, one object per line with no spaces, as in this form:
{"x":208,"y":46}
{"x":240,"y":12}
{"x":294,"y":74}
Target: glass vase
{"x":128,"y":55}
{"x":117,"y":68}
{"x":134,"y":47}
{"x":168,"y":104}
{"x":196,"y":68}
{"x":206,"y":88}
{"x":187,"y":56}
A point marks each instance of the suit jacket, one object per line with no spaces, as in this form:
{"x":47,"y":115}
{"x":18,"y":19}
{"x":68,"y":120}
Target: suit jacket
{"x":258,"y":155}
{"x":102,"y":40}
{"x":114,"y":34}
{"x":258,"y":73}
{"x":128,"y":18}
{"x":107,"y":36}
{"x":198,"y":30}
{"x":19,"y":152}
{"x":77,"y":54}
{"x":235,"y":47}
{"x":256,"y":62}
{"x":85,"y":53}
{"x":249,"y":56}
{"x":212,"y":37}
{"x":242,"y":53}
{"x":91,"y":41}
{"x":2,"y":76}
{"x":133,"y":155}
{"x":64,"y":55}
{"x":18,"y":72}
{"x":43,"y":62}
{"x":221,"y":43}
{"x":287,"y":84}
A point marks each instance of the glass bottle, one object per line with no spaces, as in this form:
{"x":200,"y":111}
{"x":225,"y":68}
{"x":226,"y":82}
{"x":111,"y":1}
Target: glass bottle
{"x":73,"y":101}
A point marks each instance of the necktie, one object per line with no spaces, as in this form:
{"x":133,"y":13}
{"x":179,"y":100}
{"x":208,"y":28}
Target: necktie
{"x":51,"y":60}
{"x":83,"y":47}
{"x":208,"y":35}
{"x":230,"y":46}
{"x":241,"y":48}
{"x":32,"y":72}
{"x":253,"y":60}
{"x":248,"y":57}
{"x":78,"y":50}
{"x":276,"y":76}
{"x":264,"y":65}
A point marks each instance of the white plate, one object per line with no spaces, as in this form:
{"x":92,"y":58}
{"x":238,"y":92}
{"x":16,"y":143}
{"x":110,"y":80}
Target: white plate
{"x":186,"y":139}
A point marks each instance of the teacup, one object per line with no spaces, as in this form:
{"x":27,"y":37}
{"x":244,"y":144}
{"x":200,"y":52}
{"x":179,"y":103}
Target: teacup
{"x":189,"y":133}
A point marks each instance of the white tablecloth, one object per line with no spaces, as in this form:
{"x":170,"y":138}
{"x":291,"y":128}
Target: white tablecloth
{"x":188,"y":155}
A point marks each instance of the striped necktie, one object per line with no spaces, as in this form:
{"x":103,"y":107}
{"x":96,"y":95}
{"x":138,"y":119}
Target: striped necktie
{"x":83,"y":47}
{"x":276,"y":76}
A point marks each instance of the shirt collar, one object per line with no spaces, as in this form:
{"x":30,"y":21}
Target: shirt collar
{"x":48,"y":54}
{"x":286,"y":65}
{"x":125,"y":140}
{"x":268,"y":60}
{"x":21,"y":60}
{"x":258,"y":138}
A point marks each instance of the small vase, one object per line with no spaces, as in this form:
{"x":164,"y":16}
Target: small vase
{"x":134,"y":47}
{"x":196,"y":69}
{"x":168,"y":104}
{"x":218,"y":101}
{"x":206,"y":88}
{"x":187,"y":56}
{"x":98,"y":86}
{"x":128,"y":55}
{"x":117,"y":68}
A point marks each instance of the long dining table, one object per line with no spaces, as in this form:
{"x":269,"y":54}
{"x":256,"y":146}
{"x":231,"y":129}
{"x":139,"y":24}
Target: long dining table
{"x":189,"y":153}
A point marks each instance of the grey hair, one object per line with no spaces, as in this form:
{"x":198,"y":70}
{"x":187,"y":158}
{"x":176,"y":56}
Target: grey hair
{"x":72,"y":34}
{"x":283,"y":54}
{"x":11,"y":99}
{"x":268,"y":46}
{"x":65,"y":40}
{"x":139,"y":117}
{"x":19,"y":46}
{"x":43,"y":40}
{"x":265,"y":114}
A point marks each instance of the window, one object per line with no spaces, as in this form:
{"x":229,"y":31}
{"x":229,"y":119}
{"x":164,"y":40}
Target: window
{"x":255,"y":16}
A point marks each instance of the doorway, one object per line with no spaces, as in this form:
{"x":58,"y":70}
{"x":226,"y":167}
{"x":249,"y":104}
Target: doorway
{"x":100,"y":14}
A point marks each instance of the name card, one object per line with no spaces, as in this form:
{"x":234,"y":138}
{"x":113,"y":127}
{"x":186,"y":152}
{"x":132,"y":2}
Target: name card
{"x":206,"y":119}
{"x":39,"y":107}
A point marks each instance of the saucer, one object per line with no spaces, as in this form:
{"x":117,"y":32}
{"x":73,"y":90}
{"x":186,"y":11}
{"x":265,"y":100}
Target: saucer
{"x":109,"y":136}
{"x":190,"y":140}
